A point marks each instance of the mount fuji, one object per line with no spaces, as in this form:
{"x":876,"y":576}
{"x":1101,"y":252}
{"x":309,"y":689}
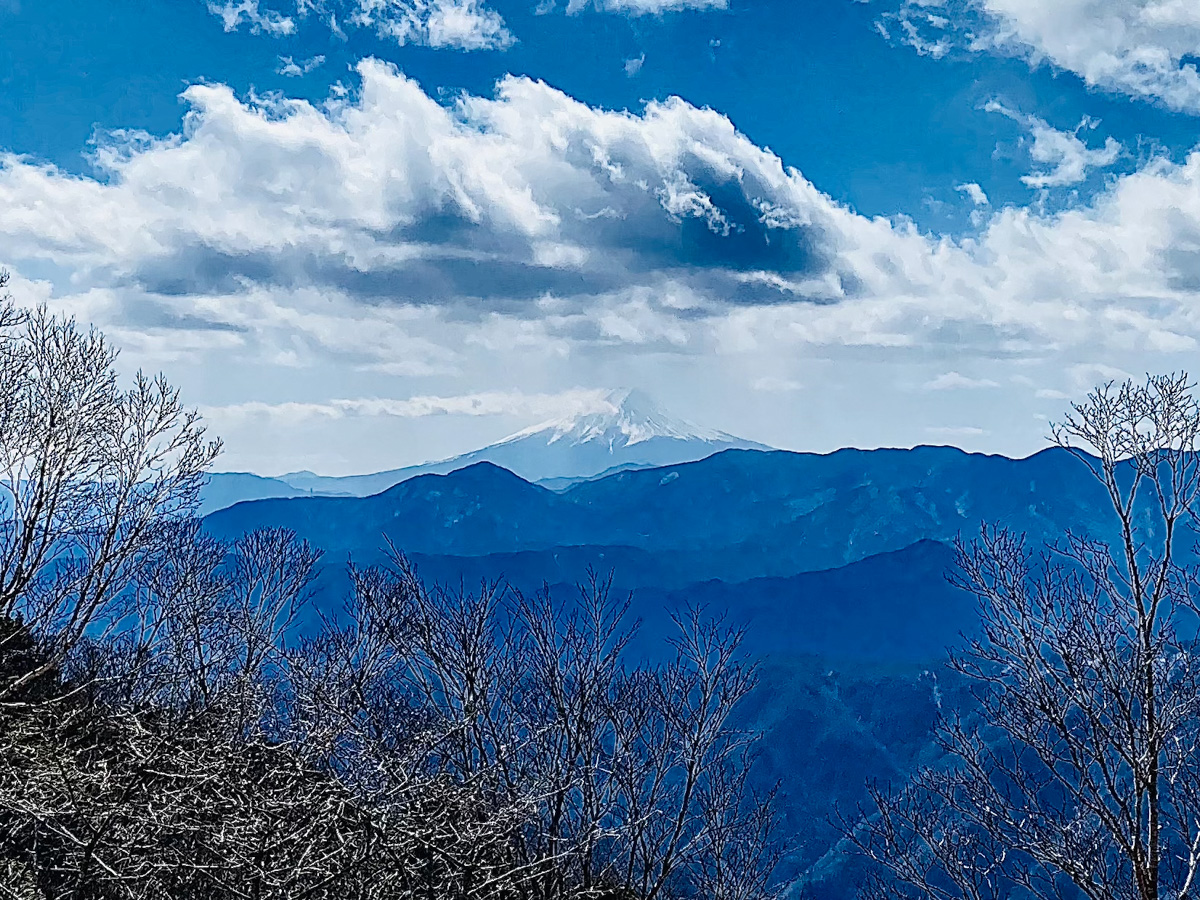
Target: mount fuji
{"x":628,"y":431}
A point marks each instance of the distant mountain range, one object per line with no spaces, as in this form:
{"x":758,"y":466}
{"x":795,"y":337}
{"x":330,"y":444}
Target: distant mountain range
{"x":629,"y":432}
{"x":735,"y":515}
{"x":835,"y":564}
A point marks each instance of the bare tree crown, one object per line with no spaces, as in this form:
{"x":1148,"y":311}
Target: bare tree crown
{"x":1079,"y":772}
{"x":88,"y":471}
{"x":168,"y":730}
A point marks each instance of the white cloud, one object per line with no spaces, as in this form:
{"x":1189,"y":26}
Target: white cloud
{"x":1067,"y":156}
{"x":293,"y":69}
{"x":455,"y":24}
{"x":1142,"y":48}
{"x":233,"y":13}
{"x":775,"y":385}
{"x":1085,"y":376}
{"x":458,"y":24}
{"x":392,"y":196}
{"x":914,"y":25}
{"x":634,"y":65}
{"x":596,"y":226}
{"x":974,"y":193}
{"x":955,"y":381}
{"x":956,"y":431}
{"x":1063,"y":158}
{"x":520,"y":239}
{"x":487,"y":403}
{"x":1052,"y":394}
{"x":643,"y":7}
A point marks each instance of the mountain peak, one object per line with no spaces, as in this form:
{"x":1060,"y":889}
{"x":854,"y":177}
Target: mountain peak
{"x":479,"y":474}
{"x":633,"y":402}
{"x":620,"y":428}
{"x":625,"y":417}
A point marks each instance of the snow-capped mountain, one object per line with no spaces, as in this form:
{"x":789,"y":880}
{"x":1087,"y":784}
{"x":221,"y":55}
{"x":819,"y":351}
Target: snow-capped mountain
{"x":630,"y":417}
{"x":627,"y":431}
{"x":631,"y":432}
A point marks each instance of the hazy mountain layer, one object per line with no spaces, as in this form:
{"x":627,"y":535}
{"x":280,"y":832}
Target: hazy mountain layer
{"x":227,"y":488}
{"x":629,"y":431}
{"x":733,"y":516}
{"x":835,"y":563}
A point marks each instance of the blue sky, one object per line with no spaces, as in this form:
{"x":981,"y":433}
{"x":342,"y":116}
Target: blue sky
{"x":364,"y":233}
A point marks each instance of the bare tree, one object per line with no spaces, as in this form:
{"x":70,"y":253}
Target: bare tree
{"x":597,"y":776}
{"x":167,"y":731}
{"x":401,"y":698}
{"x":169,"y":760}
{"x":1079,"y":774}
{"x":88,"y":471}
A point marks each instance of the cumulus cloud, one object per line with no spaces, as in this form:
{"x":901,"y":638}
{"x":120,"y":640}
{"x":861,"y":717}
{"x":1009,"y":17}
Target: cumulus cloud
{"x":1052,"y":394}
{"x":233,"y":13}
{"x":459,"y":24}
{"x":525,"y":204}
{"x":455,"y":24}
{"x":383,"y":233}
{"x":974,"y":193}
{"x":915,"y":25}
{"x":1062,"y":156}
{"x":1142,"y":48}
{"x":1084,"y":376}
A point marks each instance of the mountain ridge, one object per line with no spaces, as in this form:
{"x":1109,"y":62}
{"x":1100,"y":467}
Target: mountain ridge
{"x":734,"y":515}
{"x":628,"y":430}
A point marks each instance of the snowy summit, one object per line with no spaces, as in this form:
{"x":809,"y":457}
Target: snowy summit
{"x":630,"y":418}
{"x":626,"y":430}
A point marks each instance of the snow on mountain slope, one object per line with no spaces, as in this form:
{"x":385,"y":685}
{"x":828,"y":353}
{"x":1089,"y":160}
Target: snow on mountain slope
{"x":632,"y":418}
{"x":629,"y":430}
{"x":632,"y":431}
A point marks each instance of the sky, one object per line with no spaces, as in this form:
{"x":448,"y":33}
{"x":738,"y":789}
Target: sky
{"x":360,"y":234}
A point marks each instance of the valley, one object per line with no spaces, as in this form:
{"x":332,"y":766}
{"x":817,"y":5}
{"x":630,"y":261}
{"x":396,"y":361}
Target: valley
{"x":835,"y":564}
